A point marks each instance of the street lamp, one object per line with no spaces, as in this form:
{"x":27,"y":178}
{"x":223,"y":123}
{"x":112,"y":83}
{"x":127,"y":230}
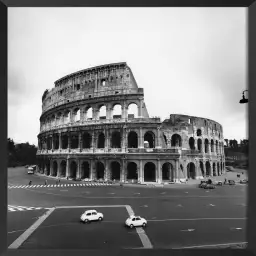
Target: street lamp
{"x":243,"y":100}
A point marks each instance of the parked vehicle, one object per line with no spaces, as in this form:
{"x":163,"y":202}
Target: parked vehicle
{"x":231,"y":182}
{"x":244,"y":181}
{"x":135,"y":221}
{"x":209,"y":186}
{"x":91,"y":215}
{"x":31,"y":169}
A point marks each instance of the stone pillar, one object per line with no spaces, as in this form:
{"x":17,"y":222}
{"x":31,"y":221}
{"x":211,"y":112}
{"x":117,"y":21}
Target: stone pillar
{"x":202,"y":151}
{"x":92,"y":169}
{"x":107,"y":139}
{"x":51,"y":167}
{"x":95,"y":114}
{"x":159,"y":172}
{"x":60,"y":141}
{"x":67,"y":167}
{"x":124,"y":138}
{"x":141,"y":139}
{"x":69,"y":141}
{"x":52,"y":142}
{"x":177,"y":180}
{"x":93,"y":140}
{"x":211,"y":169}
{"x":108,"y":112}
{"x":158,"y":138}
{"x":106,"y":172}
{"x":71,"y":116}
{"x":124,"y":112}
{"x":141,"y":172}
{"x":78,"y":173}
{"x":80,"y":141}
{"x":140,"y":108}
{"x":123,"y":178}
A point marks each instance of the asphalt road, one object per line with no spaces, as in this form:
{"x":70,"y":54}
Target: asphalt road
{"x":179,"y":217}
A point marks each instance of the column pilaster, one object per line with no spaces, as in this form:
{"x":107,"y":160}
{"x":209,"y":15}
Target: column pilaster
{"x":159,"y":172}
{"x":141,"y":139}
{"x":141,"y":172}
{"x":177,"y":179}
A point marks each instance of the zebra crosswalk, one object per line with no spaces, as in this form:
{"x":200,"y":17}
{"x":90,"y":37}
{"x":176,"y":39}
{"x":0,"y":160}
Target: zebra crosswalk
{"x":61,"y":185}
{"x":15,"y":208}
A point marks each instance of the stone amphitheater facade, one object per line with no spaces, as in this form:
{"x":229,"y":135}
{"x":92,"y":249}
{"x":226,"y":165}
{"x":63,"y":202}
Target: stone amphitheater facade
{"x":95,"y":125}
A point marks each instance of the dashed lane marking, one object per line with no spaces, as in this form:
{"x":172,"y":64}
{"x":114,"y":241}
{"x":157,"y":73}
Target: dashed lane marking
{"x":211,"y":245}
{"x":16,"y":208}
{"x":59,"y":185}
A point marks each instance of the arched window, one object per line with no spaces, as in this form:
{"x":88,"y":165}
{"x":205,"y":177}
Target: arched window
{"x":132,"y":111}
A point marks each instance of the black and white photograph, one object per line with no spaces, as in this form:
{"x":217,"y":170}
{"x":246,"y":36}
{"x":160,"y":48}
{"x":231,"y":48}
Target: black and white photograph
{"x":127,"y":128}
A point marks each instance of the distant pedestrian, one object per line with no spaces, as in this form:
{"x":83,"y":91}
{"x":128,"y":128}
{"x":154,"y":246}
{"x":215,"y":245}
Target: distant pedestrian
{"x":30,"y":182}
{"x":59,"y":181}
{"x":45,"y":183}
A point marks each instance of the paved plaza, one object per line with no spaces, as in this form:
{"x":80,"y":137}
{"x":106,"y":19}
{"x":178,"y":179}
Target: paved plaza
{"x":179,"y":215}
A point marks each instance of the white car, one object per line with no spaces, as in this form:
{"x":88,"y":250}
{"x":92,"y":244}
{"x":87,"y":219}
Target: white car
{"x":135,"y":221}
{"x":91,"y":215}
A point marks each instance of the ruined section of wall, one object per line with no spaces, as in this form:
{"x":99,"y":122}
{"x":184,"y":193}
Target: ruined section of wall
{"x":99,"y":81}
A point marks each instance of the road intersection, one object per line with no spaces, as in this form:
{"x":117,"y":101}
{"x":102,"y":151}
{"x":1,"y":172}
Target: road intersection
{"x":180,"y":217}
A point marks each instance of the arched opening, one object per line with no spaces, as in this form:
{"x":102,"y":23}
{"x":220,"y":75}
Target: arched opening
{"x":48,"y":168}
{"x":214,"y":169}
{"x":199,"y":145}
{"x":165,"y":141}
{"x":87,"y":140}
{"x":217,"y":147}
{"x":56,"y":141}
{"x":132,"y":172}
{"x":53,"y":121}
{"x":202,"y":168}
{"x":212,"y":146}
{"x":150,"y":172}
{"x":73,"y":169}
{"x":191,"y":171}
{"x":55,"y":169}
{"x":208,"y":169}
{"x":102,"y":112}
{"x":115,"y":171}
{"x":117,"y":111}
{"x":64,"y":139}
{"x":63,"y":167}
{"x":88,"y":113}
{"x":176,"y":140}
{"x":49,"y":143}
{"x":206,"y":146}
{"x":101,"y":140}
{"x":116,"y":140}
{"x":150,"y":138}
{"x":74,"y":141}
{"x":59,"y":119}
{"x":77,"y":115}
{"x":85,"y":172}
{"x":100,"y":169}
{"x":191,"y":143}
{"x":67,"y":117}
{"x":199,"y":132}
{"x":132,"y":140}
{"x":132,"y":111}
{"x":167,"y":172}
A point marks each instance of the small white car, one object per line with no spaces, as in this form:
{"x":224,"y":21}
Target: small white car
{"x":91,"y":215}
{"x":135,"y":221}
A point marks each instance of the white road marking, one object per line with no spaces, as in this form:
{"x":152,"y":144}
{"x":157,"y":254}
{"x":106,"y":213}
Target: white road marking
{"x":163,"y":193}
{"x":179,"y":205}
{"x":144,"y":205}
{"x":235,"y":228}
{"x":143,"y":236}
{"x":186,"y":192}
{"x":111,"y":193}
{"x":188,"y":230}
{"x":211,"y":205}
{"x":212,"y":245}
{"x":63,"y":190}
{"x":21,"y":239}
{"x":199,"y":219}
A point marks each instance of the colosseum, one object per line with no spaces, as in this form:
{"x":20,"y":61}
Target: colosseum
{"x":95,"y":126}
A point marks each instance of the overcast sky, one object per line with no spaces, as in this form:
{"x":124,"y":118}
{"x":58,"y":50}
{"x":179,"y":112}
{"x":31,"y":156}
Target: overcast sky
{"x":188,"y":60}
